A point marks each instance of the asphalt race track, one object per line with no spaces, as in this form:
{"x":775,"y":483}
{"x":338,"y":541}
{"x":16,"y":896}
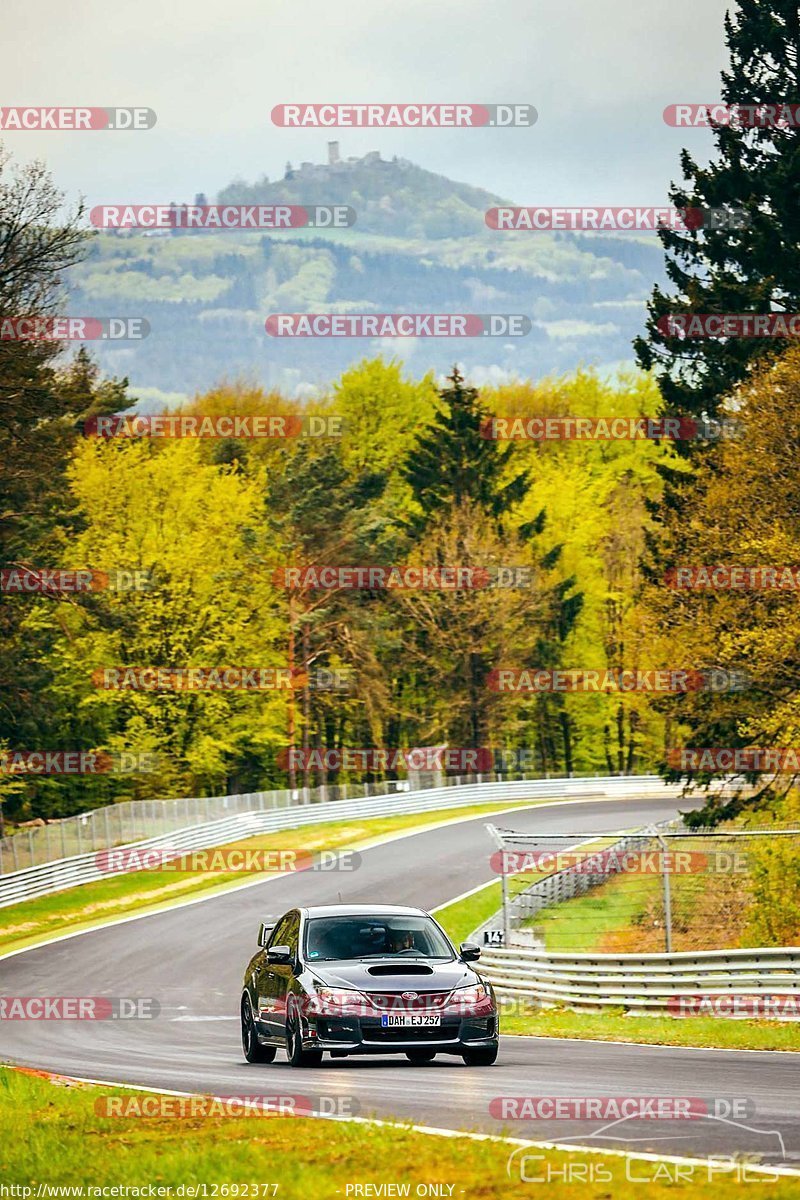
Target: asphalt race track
{"x":191,"y":959}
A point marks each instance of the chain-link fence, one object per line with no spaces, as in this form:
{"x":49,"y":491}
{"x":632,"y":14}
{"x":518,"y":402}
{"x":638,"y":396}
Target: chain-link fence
{"x":137,"y":820}
{"x":665,"y":888}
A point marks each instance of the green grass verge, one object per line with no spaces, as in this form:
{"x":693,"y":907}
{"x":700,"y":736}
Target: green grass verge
{"x":52,"y":1135}
{"x":581,"y":924}
{"x":710,"y":909}
{"x":92,"y":904}
{"x":616,"y":1026}
{"x":461,"y":917}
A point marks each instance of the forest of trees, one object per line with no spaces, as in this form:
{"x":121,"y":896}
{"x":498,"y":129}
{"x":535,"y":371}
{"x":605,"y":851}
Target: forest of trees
{"x":595,"y":528}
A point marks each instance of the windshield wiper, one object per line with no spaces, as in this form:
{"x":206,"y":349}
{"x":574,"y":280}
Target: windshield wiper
{"x":402,"y":957}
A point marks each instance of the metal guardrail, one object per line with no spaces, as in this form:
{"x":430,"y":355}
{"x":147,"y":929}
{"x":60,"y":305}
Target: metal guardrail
{"x":644,"y":983}
{"x":261,"y":817}
{"x":135,"y":820}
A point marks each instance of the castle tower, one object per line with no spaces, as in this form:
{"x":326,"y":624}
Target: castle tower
{"x":333,"y":154}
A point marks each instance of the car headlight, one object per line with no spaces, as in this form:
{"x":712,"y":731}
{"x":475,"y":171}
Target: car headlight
{"x":468,"y":998}
{"x":470,"y":994}
{"x":333,"y":1001}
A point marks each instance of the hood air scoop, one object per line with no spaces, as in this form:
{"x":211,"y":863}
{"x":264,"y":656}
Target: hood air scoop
{"x":406,"y":968}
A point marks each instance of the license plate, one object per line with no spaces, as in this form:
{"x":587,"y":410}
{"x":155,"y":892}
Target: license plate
{"x":390,"y":1020}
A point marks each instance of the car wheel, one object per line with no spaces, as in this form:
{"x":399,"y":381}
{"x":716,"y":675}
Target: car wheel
{"x":480,"y":1056}
{"x":297,"y":1056}
{"x":253,"y":1050}
{"x":420,"y":1057}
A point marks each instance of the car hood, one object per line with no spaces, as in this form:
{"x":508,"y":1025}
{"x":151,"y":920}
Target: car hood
{"x":385,"y":975}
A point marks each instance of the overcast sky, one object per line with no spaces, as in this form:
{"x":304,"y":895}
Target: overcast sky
{"x":600,"y":73}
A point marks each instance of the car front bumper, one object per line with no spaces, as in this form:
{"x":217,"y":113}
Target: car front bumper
{"x":366,"y":1035}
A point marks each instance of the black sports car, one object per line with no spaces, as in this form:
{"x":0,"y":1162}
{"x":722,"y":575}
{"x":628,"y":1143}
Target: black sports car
{"x":365,"y":979}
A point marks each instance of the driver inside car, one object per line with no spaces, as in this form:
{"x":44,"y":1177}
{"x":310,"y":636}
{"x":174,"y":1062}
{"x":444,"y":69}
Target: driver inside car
{"x":402,"y":939}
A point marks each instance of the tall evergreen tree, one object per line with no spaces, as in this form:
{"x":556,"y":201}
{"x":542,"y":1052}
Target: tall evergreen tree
{"x":754,"y":269}
{"x":466,"y":490}
{"x":454,"y":464}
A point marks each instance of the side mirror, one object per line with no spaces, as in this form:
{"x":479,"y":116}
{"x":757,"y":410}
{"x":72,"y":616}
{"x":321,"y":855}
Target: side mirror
{"x":280,"y":956}
{"x":469,"y":952}
{"x":264,"y":931}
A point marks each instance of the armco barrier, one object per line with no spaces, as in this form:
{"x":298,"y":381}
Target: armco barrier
{"x":643,"y":983}
{"x":131,"y":821}
{"x":83,"y":868}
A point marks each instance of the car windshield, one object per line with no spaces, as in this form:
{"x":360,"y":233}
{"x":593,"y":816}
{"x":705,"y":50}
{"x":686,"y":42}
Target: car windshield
{"x":332,"y":938}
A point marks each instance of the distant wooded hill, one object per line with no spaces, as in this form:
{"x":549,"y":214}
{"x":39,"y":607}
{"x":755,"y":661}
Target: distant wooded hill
{"x":420,"y":244}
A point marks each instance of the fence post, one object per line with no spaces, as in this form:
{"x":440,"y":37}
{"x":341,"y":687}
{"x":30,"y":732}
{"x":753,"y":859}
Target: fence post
{"x":504,"y":890}
{"x":666,"y":890}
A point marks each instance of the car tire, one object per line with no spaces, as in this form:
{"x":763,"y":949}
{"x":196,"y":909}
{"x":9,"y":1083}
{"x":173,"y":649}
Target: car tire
{"x":295,"y":1054}
{"x":420,"y":1057}
{"x":480,"y":1056}
{"x":253,"y":1050}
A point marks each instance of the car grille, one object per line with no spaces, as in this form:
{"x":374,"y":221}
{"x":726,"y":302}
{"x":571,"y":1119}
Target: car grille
{"x":394,"y":1002}
{"x":427,"y":1033}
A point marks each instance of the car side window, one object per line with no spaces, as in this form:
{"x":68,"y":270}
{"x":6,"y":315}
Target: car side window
{"x":277,"y":937}
{"x":292,"y":933}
